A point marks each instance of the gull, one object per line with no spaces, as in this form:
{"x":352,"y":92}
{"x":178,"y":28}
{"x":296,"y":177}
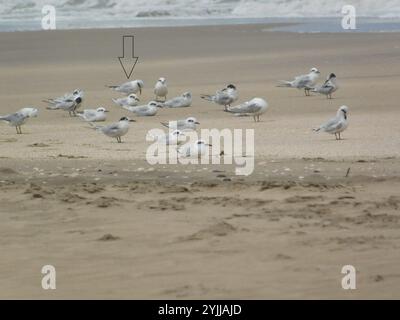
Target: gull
{"x":69,"y":95}
{"x":224,"y":97}
{"x":198,"y":149}
{"x":129,"y":87}
{"x":67,"y":104}
{"x":18,"y":118}
{"x":93,"y":115}
{"x":183,"y":101}
{"x":329,"y":87}
{"x":305,"y":81}
{"x":336,"y":125}
{"x":161,"y":89}
{"x":185,"y":124}
{"x":173,"y":138}
{"x":115,"y":130}
{"x":255,"y":108}
{"x":146,"y":110}
{"x":131,"y":100}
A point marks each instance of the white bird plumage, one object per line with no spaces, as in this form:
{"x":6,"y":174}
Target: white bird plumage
{"x":161,"y":89}
{"x":20,"y":117}
{"x":185,"y":124}
{"x":255,"y":108}
{"x":93,"y":115}
{"x":115,"y":130}
{"x":69,"y":102}
{"x":305,"y":81}
{"x":129,"y":87}
{"x":330,"y":86}
{"x":337,"y":124}
{"x":224,"y":97}
{"x":131,"y":100}
{"x":197,"y":149}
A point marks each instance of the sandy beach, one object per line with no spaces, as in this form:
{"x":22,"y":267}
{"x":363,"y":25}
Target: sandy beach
{"x":116,"y":227}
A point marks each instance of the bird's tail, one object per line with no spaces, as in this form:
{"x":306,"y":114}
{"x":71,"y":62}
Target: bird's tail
{"x":115,"y":101}
{"x":284,"y":84}
{"x":317,"y":129}
{"x":165,"y":124}
{"x":206,"y":97}
{"x":111,"y":87}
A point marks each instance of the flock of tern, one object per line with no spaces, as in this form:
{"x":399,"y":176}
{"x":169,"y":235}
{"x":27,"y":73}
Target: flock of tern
{"x":226,"y":97}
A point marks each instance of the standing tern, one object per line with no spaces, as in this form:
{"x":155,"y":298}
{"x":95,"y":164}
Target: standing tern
{"x":305,"y":81}
{"x":224,"y":97}
{"x":93,"y":115}
{"x":131,"y":100}
{"x":182,"y":101}
{"x":117,"y":129}
{"x":330,"y":86}
{"x":337,"y":124}
{"x":18,"y":118}
{"x":161,"y":89}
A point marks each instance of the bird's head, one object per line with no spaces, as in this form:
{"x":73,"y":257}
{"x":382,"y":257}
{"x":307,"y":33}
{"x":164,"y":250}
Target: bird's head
{"x":78,"y":99}
{"x":134,"y":97}
{"x":315,"y":70}
{"x":192,"y":120}
{"x":126,"y":119}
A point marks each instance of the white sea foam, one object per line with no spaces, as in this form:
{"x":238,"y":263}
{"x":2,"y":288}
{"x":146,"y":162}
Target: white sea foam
{"x":103,"y":12}
{"x":202,"y":8}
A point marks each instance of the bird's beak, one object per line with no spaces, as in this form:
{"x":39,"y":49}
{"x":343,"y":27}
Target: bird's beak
{"x":207,"y":144}
{"x":131,"y":120}
{"x":197,"y":122}
{"x":160,"y":106}
{"x":106,"y":111}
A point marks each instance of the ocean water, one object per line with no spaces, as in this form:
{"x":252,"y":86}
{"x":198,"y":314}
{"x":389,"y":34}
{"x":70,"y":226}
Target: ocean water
{"x":309,"y":15}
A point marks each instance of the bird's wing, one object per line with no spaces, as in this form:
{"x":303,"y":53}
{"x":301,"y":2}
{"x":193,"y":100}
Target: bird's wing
{"x":89,"y":113}
{"x":331,"y":124}
{"x":303,"y":81}
{"x":112,"y":128}
{"x":125,"y":86}
{"x":173,"y":101}
{"x":139,"y":109}
{"x":246,"y":107}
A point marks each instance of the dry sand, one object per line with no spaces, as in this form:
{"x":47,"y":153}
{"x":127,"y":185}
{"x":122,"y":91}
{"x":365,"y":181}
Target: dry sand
{"x":116,"y":227}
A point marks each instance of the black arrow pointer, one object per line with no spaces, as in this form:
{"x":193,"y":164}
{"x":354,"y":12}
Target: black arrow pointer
{"x":128,"y":60}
